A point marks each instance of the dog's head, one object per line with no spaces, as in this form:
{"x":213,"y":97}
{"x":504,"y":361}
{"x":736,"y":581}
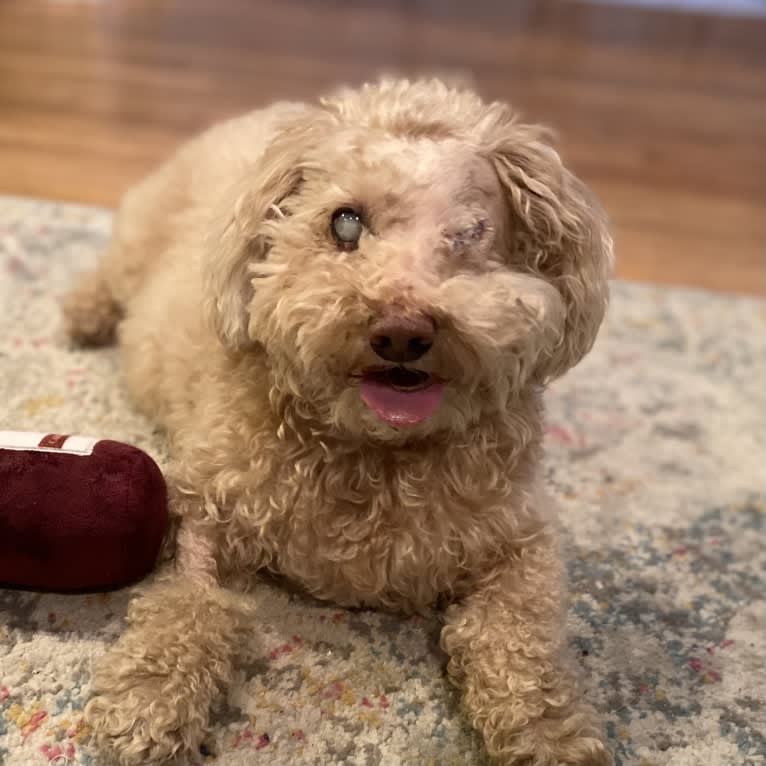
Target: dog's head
{"x":408,"y":257}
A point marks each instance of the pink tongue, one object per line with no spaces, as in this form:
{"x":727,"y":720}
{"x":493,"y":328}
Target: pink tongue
{"x":402,"y":408}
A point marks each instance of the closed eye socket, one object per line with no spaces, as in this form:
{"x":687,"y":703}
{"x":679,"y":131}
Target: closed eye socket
{"x":470,"y":235}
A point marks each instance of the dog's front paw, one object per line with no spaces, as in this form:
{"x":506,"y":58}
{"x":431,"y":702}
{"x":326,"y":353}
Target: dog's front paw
{"x":571,"y":741}
{"x":153,"y":690}
{"x":141,"y":716}
{"x":576,"y":750}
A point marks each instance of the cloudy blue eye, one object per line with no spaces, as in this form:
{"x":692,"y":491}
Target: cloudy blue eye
{"x":347,"y":227}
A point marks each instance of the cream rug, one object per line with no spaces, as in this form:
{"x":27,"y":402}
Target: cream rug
{"x":656,"y":450}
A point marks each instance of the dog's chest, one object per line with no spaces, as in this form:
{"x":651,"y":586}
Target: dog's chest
{"x":375,"y":527}
{"x":392,"y":538}
{"x":354,"y":563}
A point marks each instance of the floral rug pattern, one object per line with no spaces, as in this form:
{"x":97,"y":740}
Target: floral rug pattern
{"x":656,"y":452}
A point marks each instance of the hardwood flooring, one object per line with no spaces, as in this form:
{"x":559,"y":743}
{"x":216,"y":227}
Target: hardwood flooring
{"x":662,"y":112}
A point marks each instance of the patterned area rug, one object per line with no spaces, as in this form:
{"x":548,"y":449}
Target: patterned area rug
{"x":656,"y":451}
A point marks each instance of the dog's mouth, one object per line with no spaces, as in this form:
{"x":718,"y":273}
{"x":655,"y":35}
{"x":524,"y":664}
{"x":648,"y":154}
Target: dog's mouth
{"x":401,"y":396}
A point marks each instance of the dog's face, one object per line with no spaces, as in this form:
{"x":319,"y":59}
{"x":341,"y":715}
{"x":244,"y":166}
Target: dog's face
{"x":407,"y":282}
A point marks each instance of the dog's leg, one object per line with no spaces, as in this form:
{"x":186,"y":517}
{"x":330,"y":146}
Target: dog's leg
{"x":153,"y":690}
{"x":504,"y":642}
{"x":90,"y":311}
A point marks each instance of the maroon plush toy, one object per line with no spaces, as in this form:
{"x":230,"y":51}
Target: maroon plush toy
{"x":77,"y":513}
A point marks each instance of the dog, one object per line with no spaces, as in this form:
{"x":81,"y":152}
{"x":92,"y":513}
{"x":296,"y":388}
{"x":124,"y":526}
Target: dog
{"x":344,"y":315}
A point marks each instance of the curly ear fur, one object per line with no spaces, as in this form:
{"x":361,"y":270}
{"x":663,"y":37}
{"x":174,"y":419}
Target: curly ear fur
{"x":559,"y":233}
{"x":238,"y":237}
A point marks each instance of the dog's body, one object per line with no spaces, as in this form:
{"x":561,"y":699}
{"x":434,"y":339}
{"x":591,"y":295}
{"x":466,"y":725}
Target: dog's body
{"x":259,"y":278}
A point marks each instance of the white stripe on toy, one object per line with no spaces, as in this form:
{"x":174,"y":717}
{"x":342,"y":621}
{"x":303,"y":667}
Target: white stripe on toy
{"x":31,"y":441}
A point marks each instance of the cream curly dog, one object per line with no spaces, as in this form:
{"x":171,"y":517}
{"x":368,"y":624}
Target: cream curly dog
{"x":345,"y":315}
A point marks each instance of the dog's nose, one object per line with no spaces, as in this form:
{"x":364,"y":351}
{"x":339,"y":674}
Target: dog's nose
{"x":402,"y":338}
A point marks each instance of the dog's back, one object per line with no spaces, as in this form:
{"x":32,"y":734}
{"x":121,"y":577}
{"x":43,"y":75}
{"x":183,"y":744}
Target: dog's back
{"x":160,"y":224}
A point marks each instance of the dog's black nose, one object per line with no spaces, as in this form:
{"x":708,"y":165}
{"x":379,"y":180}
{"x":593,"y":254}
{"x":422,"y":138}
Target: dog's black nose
{"x":402,"y":338}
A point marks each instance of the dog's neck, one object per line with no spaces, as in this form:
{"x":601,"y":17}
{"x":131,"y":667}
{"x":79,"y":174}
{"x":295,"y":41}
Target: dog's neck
{"x":511,"y":442}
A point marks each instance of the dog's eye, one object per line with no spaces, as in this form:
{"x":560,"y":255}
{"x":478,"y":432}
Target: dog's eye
{"x":347,"y":227}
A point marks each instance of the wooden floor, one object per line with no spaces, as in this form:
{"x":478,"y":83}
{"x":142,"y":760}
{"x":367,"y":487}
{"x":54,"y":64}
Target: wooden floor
{"x":663,"y":113}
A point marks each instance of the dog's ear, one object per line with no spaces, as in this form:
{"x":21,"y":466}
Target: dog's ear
{"x":239,"y":236}
{"x":558,"y":231}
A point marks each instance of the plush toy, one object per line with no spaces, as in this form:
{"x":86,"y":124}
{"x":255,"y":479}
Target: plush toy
{"x":77,"y":513}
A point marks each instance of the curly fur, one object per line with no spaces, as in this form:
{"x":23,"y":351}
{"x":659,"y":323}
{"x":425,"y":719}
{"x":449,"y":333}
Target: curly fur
{"x":242,"y":325}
